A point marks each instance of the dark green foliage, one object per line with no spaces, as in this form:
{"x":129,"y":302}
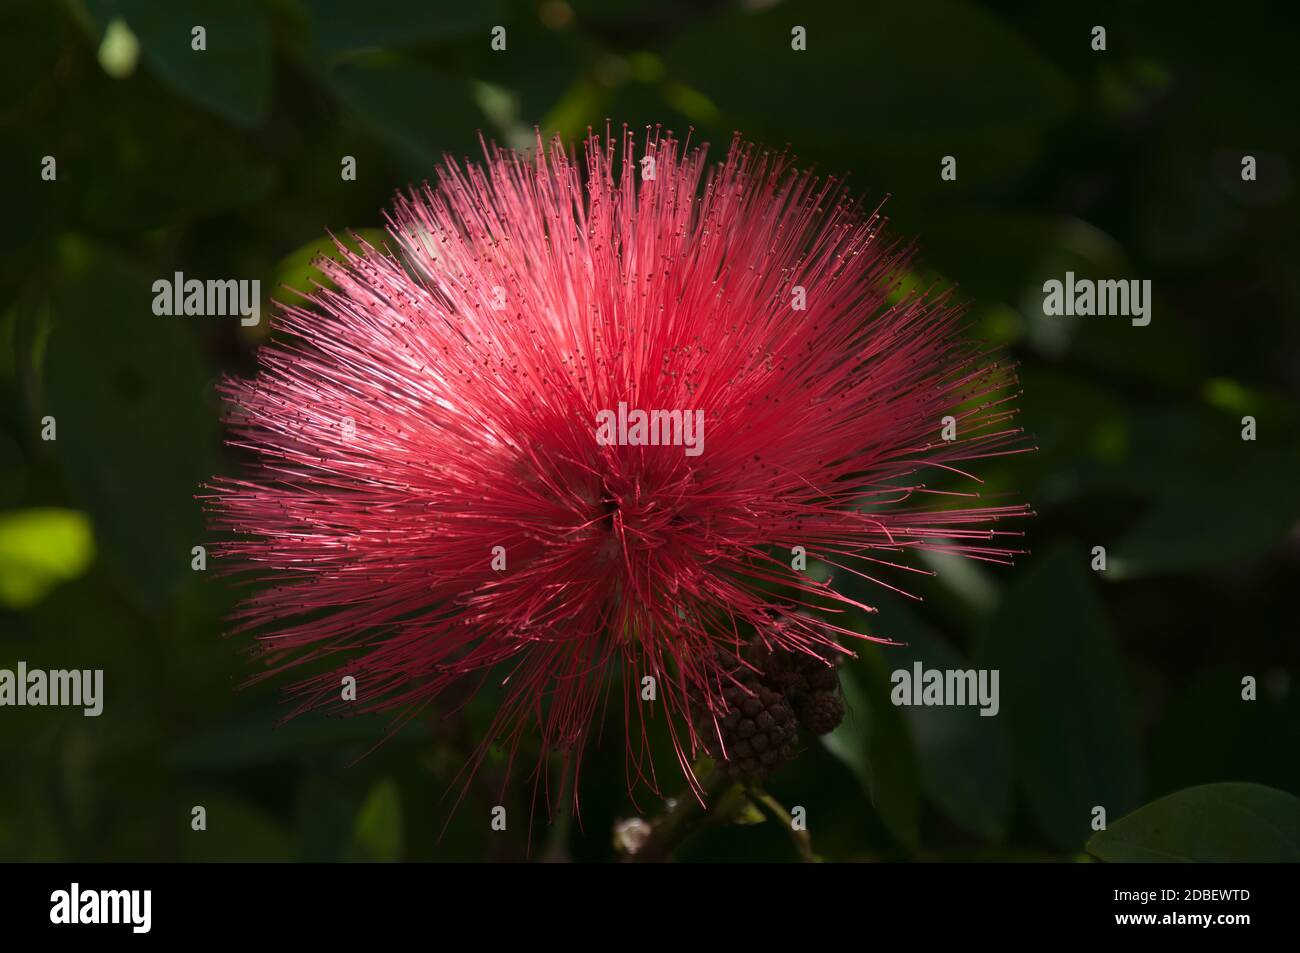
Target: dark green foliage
{"x":1119,"y":688}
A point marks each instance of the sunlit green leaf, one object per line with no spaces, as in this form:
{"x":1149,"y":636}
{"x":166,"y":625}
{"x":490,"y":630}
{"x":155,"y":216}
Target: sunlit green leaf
{"x":297,"y":275}
{"x":40,"y":548}
{"x":378,"y":832}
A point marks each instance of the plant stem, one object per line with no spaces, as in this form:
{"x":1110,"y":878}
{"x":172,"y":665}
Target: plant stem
{"x":802,"y":842}
{"x":686,"y":814}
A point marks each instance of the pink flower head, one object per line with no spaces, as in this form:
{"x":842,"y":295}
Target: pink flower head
{"x":452,"y":477}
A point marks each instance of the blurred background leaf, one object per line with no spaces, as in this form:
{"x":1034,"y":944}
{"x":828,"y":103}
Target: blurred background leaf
{"x":964,"y":761}
{"x":378,"y":834}
{"x":135,"y":435}
{"x":230,"y":74}
{"x":872,"y":742}
{"x":1068,"y":708}
{"x":39,"y":549}
{"x":1216,"y":823}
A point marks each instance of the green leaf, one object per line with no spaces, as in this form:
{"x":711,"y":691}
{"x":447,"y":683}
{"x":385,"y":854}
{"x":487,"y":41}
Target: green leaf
{"x":748,"y":814}
{"x":873,"y":743}
{"x":259,"y":737}
{"x":237,"y":831}
{"x":1182,"y":534}
{"x":395,"y":103}
{"x":378,"y":834}
{"x":1031,"y":248}
{"x":119,"y":52}
{"x":150,"y":161}
{"x":135,"y":436}
{"x":297,"y":275}
{"x":397,"y":23}
{"x":963,"y":758}
{"x":850,"y":741}
{"x":40,"y":548}
{"x":893,"y":94}
{"x":1214,"y":823}
{"x":231,"y":76}
{"x":1068,"y":707}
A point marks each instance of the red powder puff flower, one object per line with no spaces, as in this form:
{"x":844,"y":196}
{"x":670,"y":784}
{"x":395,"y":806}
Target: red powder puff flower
{"x":570,"y":431}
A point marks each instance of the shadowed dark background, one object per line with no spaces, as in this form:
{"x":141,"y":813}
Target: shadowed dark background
{"x":1117,"y":687}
